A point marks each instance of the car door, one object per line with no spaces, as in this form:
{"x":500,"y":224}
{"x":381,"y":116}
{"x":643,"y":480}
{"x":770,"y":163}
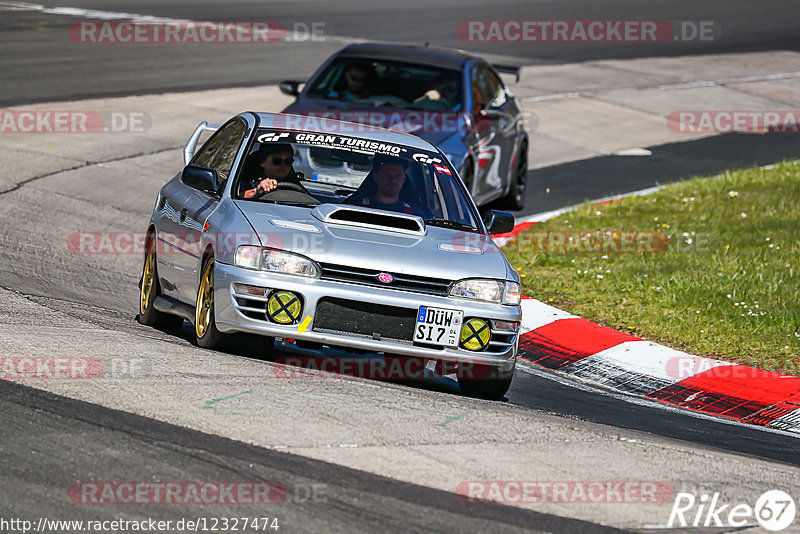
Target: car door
{"x":494,"y":115}
{"x":188,"y":208}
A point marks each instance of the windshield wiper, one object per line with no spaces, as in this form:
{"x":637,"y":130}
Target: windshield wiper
{"x":447,"y":223}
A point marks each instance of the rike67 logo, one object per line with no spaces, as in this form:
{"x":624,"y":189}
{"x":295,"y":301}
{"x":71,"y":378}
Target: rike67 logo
{"x":774,"y":510}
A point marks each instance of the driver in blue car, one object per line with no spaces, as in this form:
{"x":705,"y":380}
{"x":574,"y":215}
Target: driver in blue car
{"x":358,"y":79}
{"x":389,"y":177}
{"x":271,"y":164}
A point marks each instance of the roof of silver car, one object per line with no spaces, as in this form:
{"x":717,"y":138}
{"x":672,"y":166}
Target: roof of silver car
{"x":285,"y":121}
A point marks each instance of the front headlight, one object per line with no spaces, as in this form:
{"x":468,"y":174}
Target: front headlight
{"x":275,"y":261}
{"x":278,"y":261}
{"x":487,"y":290}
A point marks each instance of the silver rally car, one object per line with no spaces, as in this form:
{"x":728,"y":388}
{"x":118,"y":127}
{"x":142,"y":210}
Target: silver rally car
{"x":322,"y":260}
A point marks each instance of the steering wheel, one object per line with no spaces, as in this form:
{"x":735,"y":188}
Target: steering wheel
{"x":286,"y":186}
{"x":287,"y":192}
{"x":390,"y":100}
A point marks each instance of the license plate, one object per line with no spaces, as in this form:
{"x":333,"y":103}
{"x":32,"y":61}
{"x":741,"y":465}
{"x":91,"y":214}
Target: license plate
{"x":438,"y":326}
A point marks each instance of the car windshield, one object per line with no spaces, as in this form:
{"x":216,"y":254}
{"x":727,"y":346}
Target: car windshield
{"x":343,"y":169}
{"x":390,"y":83}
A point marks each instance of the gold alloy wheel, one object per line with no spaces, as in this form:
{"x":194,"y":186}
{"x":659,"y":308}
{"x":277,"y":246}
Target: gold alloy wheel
{"x":205,"y":300}
{"x":148,"y":276}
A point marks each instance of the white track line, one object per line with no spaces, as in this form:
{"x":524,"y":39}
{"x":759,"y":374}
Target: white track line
{"x":666,"y":86}
{"x":546,"y":215}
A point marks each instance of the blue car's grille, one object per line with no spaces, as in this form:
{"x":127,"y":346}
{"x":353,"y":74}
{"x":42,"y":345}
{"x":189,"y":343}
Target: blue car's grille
{"x":368,"y":277}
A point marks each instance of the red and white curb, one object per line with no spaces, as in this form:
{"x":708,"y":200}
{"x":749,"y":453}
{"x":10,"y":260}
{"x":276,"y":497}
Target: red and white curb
{"x":558,"y":341}
{"x":562,"y":342}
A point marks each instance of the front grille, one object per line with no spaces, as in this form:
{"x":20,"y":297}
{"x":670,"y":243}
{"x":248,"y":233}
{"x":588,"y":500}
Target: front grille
{"x":251,"y":306}
{"x":369,"y":277}
{"x":501,"y":340}
{"x":364,"y":319}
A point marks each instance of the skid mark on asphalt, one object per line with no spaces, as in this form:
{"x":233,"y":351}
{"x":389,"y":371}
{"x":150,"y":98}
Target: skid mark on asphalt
{"x":266,"y":404}
{"x":450,"y":418}
{"x":85,"y":164}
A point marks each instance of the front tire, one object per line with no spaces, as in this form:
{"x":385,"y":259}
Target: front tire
{"x":149,"y":289}
{"x":205,"y":326}
{"x":485,"y":381}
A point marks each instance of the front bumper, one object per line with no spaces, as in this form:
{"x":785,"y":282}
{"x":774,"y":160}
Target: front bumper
{"x":232,"y":316}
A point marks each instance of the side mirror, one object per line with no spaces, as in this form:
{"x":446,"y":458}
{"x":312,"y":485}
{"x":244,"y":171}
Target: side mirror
{"x":498,"y":222}
{"x":290,"y":87}
{"x":200,"y":178}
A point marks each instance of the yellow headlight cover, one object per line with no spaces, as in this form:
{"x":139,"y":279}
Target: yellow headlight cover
{"x":475,"y":334}
{"x":284,"y":307}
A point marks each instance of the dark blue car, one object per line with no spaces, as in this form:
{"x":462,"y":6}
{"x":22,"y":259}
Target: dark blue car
{"x":454,"y":100}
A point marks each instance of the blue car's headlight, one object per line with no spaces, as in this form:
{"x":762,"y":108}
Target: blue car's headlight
{"x":276,"y":261}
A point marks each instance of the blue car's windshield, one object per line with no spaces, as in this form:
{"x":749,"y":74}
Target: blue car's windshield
{"x":334,"y":168}
{"x":390,"y":83}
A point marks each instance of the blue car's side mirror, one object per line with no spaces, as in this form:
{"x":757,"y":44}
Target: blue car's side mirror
{"x":290,"y":87}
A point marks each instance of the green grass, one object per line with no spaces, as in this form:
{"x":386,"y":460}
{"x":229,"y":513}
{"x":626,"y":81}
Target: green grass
{"x":726,"y":283}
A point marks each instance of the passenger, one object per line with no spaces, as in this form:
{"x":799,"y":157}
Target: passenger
{"x":272,"y":162}
{"x":443,"y":92}
{"x":389,"y":176}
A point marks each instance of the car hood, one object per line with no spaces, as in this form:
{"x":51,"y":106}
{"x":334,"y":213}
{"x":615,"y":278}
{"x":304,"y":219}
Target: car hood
{"x":435,"y":252}
{"x":439,"y":126}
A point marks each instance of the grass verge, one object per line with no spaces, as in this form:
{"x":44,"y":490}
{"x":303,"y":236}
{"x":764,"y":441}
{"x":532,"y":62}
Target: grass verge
{"x":710,"y":266}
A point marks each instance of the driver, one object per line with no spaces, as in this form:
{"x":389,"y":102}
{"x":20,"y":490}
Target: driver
{"x":358,"y":78}
{"x":273,"y":162}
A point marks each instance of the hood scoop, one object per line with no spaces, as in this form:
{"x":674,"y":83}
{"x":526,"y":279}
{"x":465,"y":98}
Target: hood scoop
{"x":369,"y":218}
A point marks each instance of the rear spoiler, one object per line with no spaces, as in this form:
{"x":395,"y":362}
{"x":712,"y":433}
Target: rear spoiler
{"x":507,"y":69}
{"x":188,"y":150}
